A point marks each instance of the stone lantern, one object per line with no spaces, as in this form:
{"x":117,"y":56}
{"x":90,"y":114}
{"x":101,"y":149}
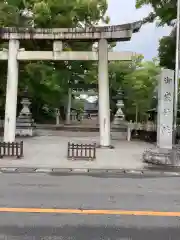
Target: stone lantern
{"x":119,"y":116}
{"x":25,"y":125}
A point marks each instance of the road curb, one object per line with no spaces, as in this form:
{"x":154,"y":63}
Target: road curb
{"x":90,"y":171}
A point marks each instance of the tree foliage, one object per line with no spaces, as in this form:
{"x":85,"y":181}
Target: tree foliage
{"x":48,"y":81}
{"x":167,"y":49}
{"x":164,"y":12}
{"x":137,"y":81}
{"x":139,"y":86}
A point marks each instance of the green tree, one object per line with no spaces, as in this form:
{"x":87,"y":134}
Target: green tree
{"x":139,"y":86}
{"x":164,"y":12}
{"x":167,"y":49}
{"x":48,"y":81}
{"x":134,"y":81}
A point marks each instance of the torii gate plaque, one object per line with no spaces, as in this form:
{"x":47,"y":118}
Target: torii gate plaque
{"x":101,"y":34}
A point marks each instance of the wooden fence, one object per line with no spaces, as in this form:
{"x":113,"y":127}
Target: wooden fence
{"x":14,"y":149}
{"x":81,"y":151}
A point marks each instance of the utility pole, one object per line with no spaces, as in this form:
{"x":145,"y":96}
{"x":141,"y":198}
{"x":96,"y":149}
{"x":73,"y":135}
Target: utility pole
{"x":176,"y":82}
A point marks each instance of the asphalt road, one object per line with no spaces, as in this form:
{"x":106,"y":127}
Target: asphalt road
{"x":42,"y":191}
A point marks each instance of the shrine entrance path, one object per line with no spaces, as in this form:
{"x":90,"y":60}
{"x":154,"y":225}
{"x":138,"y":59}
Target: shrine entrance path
{"x":49,"y":150}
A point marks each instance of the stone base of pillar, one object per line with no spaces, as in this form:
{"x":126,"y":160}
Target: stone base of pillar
{"x":67,"y":123}
{"x":25,"y":132}
{"x":105,"y":147}
{"x":163,"y":157}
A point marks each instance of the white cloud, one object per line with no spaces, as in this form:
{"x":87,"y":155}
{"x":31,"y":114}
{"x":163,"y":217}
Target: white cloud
{"x":147,"y":40}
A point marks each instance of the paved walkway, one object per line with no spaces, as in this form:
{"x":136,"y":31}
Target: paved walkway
{"x":49,"y":150}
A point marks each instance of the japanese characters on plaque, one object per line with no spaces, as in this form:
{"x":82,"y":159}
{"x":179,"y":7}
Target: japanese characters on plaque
{"x":168,"y":97}
{"x":165,"y":129}
{"x":166,"y":111}
{"x":168,"y":80}
{"x":165,"y":108}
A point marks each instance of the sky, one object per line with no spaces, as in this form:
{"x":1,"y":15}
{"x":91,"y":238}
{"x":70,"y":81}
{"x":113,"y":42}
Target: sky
{"x":147,"y":40}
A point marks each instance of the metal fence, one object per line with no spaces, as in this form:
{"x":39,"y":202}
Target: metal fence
{"x":14,"y":149}
{"x":81,"y":151}
{"x":148,"y":126}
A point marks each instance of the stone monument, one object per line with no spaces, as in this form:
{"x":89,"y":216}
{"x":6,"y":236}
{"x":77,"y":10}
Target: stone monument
{"x":25,"y":125}
{"x":165,"y":152}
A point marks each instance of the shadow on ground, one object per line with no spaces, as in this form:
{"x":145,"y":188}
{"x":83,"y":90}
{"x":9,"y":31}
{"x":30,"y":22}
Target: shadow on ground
{"x":111,"y":175}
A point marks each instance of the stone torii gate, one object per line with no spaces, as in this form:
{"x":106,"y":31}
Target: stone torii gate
{"x":102,"y":35}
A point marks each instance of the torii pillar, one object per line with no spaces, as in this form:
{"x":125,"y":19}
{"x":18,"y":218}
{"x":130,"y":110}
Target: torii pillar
{"x":104,"y":105}
{"x":11,"y":92}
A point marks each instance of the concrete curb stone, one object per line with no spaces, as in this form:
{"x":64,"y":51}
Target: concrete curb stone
{"x":25,"y":170}
{"x":61,"y":170}
{"x":87,"y":171}
{"x":7,"y":170}
{"x":43,"y":170}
